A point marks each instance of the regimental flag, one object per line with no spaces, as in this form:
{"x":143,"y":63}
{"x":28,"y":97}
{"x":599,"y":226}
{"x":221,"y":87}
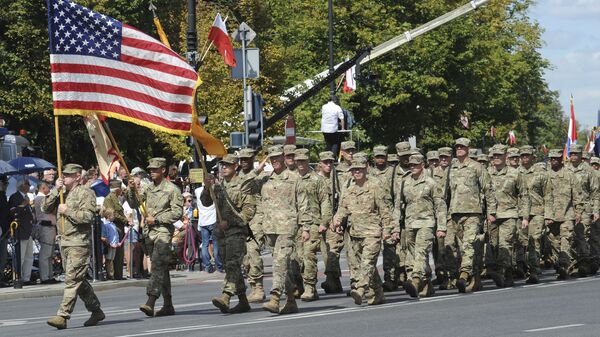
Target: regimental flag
{"x":100,"y":65}
{"x":350,"y":81}
{"x":571,"y":132}
{"x":105,"y":152}
{"x":512,"y":138}
{"x":219,"y":36}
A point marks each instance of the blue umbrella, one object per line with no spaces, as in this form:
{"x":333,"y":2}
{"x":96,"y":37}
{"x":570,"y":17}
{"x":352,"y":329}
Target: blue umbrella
{"x":6,"y":168}
{"x":26,"y":165}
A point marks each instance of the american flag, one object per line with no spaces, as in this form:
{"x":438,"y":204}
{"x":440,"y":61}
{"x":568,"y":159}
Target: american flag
{"x":100,"y":65}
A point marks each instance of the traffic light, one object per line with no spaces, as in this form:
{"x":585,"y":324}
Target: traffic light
{"x":255,"y":123}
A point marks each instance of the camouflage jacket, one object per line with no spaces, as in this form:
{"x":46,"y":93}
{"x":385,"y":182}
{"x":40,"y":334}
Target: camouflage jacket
{"x":384,"y":176}
{"x":535,"y":178}
{"x":280,"y":210}
{"x":469,"y":181}
{"x":561,"y":203}
{"x":239,"y":209}
{"x":397,"y":175}
{"x":163,"y":201}
{"x":344,"y":176}
{"x":425,"y":206}
{"x":511,"y":194}
{"x":112,"y":201}
{"x":368,"y":212}
{"x":313,"y":188}
{"x":586,"y":185}
{"x":77,"y":220}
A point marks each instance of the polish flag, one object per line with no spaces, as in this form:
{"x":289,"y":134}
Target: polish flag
{"x":571,"y":132}
{"x":218,"y":35}
{"x":350,"y":82}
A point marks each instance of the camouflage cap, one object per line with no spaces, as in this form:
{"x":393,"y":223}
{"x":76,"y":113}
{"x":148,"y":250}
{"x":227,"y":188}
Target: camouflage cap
{"x":595,"y":160}
{"x":301,"y":154}
{"x":72,"y":169}
{"x":462,"y":141}
{"x":575,"y":148}
{"x":555,"y":153}
{"x":526,"y":149}
{"x":392,"y":158}
{"x":137,"y":170}
{"x":115,"y":183}
{"x":586,"y":155}
{"x":275,"y":150}
{"x":445,"y":151}
{"x":230,"y":159}
{"x":358,"y":164}
{"x":501,"y":150}
{"x":513,"y":152}
{"x":380,"y":150}
{"x":326,"y":155}
{"x":432,"y":155}
{"x":348,"y":145}
{"x":403,"y":149}
{"x":360,"y":156}
{"x":157,"y":162}
{"x":483,"y":157}
{"x":289,"y":149}
{"x":473,"y":153}
{"x":246,"y":153}
{"x":416,"y":159}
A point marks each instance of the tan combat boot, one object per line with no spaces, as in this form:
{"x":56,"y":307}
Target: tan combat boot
{"x":58,"y":322}
{"x":167,"y":308}
{"x":257,"y":295}
{"x":474,"y":284}
{"x":463,"y":282}
{"x":96,"y":317}
{"x":498,"y":277}
{"x":222,"y":302}
{"x":290,"y":306}
{"x":148,"y":308}
{"x":273,"y":304}
{"x":377,"y":298}
{"x":357,"y":295}
{"x":427,"y":289}
{"x":412,"y":287}
{"x":310,"y":294}
{"x":242,"y":306}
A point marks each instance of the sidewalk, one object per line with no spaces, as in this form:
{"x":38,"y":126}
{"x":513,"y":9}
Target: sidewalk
{"x":43,"y":290}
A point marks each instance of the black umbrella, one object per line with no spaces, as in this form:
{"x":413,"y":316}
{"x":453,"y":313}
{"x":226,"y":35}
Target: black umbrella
{"x":27,"y":165}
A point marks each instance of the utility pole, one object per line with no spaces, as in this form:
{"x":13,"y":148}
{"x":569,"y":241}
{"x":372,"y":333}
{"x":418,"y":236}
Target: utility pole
{"x":332,"y":84}
{"x":192,"y":58}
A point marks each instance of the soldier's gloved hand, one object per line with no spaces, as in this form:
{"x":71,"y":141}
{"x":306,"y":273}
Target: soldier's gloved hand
{"x":440,"y":234}
{"x":322,"y":229}
{"x":524,"y":223}
{"x":305,"y":235}
{"x":223,"y":225}
{"x":62,"y":208}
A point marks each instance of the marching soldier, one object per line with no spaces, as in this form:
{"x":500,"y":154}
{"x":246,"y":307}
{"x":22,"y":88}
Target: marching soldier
{"x":421,"y":208}
{"x":75,"y":229}
{"x":433,"y":160}
{"x":393,"y":160}
{"x":447,"y":246}
{"x":513,"y":155}
{"x":164,"y":206}
{"x":288,"y":153}
{"x":235,"y":202}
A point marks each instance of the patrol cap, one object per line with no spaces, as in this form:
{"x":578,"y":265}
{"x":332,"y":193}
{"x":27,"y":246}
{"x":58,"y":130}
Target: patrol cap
{"x":527,"y":149}
{"x":431,"y":155}
{"x":575,"y":148}
{"x":348,"y":145}
{"x":246,"y":153}
{"x":301,"y":154}
{"x":501,"y":150}
{"x":462,"y":141}
{"x":445,"y":151}
{"x":275,"y":150}
{"x":72,"y":169}
{"x":289,"y":149}
{"x":392,"y":158}
{"x":483,"y":157}
{"x":358,"y":164}
{"x":157,"y":162}
{"x":380,"y":150}
{"x":415,"y":151}
{"x":326,"y":155}
{"x":473,"y":153}
{"x":555,"y":153}
{"x":115,"y":183}
{"x":595,"y":160}
{"x":403,"y":149}
{"x":230,"y":159}
{"x":586,"y":155}
{"x":416,"y":159}
{"x":513,"y":152}
{"x":137,"y":170}
{"x":360,"y":156}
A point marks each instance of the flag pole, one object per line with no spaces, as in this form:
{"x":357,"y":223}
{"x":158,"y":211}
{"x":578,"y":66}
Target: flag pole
{"x":205,"y":170}
{"x":59,"y":169}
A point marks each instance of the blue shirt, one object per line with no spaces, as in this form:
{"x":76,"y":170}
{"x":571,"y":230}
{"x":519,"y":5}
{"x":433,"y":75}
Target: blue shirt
{"x":109,"y":231}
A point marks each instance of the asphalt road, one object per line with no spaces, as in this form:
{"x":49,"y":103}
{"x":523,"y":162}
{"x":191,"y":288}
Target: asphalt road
{"x":551,"y":308}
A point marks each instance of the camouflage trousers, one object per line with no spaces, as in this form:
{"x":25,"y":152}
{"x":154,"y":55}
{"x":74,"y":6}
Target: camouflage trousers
{"x":253,"y":262}
{"x":282,"y":246}
{"x":562,"y":238}
{"x":419,"y":243}
{"x":366,"y":251}
{"x":449,"y":252}
{"x":501,"y":242}
{"x":594,"y":240}
{"x":297,"y":260}
{"x":335,"y":245}
{"x":158,"y":247}
{"x":232,"y":249}
{"x":75,"y":262}
{"x":521,"y":241}
{"x":467,"y":236}
{"x":353,"y":260}
{"x":308,"y":250}
{"x":392,"y":253}
{"x":534,"y":243}
{"x":582,"y":235}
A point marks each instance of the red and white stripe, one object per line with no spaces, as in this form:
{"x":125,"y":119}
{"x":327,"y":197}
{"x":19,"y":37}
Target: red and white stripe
{"x":150,"y":85}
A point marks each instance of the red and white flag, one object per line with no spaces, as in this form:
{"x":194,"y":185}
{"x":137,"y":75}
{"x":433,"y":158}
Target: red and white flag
{"x":493,"y":132}
{"x":108,"y":161}
{"x":512,"y":138}
{"x":218,"y":35}
{"x":350,"y":81}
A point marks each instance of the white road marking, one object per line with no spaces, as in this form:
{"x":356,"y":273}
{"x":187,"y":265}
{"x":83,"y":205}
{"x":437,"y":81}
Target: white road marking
{"x":554,"y":327}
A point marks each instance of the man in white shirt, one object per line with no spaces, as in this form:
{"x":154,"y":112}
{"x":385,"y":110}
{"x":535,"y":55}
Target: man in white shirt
{"x":207,"y":222}
{"x":332,"y":116}
{"x":47,"y":235}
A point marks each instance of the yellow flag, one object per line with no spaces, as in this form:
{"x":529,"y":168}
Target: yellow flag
{"x":161,"y":33}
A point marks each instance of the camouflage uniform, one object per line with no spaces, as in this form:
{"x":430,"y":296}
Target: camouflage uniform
{"x":75,"y":230}
{"x":561,"y":206}
{"x":112,"y":201}
{"x":423,"y":207}
{"x":447,"y":247}
{"x":165,"y":203}
{"x":512,"y":203}
{"x":369,"y":213}
{"x":468,"y":181}
{"x":594,"y":240}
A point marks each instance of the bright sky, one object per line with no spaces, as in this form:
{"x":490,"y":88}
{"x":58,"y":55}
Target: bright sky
{"x":572,"y":36}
